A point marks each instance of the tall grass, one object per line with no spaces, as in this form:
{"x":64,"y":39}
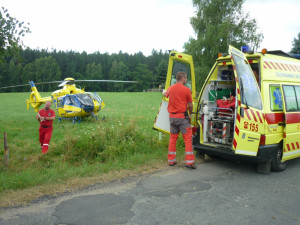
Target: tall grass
{"x":124,"y":140}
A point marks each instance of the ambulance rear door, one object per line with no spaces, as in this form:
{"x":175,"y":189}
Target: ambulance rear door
{"x":177,"y":62}
{"x":249,"y":122}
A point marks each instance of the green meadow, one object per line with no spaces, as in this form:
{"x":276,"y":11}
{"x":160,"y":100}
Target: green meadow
{"x":120,"y":143}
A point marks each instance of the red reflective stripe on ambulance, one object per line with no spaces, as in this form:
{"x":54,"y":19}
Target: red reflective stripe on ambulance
{"x":293,"y":146}
{"x":274,"y":118}
{"x":238,"y":90}
{"x":273,"y":66}
{"x":234,"y":143}
{"x":248,"y":115}
{"x":239,"y":102}
{"x":278,"y":66}
{"x":283,"y":66}
{"x":297,"y":145}
{"x":236,"y":80}
{"x":268,"y":65}
{"x":288,"y":67}
{"x":292,"y":118}
{"x":288,"y":146}
{"x":293,"y":68}
{"x":237,"y":130}
{"x":258,"y":114}
{"x":238,"y":117}
{"x":253,"y":114}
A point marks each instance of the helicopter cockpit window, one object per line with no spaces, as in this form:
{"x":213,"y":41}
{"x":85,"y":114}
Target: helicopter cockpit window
{"x":85,"y":99}
{"x":71,"y":100}
{"x":184,"y":67}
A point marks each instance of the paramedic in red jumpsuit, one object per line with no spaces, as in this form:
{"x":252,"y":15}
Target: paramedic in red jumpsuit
{"x":180,"y":100}
{"x":45,"y":117}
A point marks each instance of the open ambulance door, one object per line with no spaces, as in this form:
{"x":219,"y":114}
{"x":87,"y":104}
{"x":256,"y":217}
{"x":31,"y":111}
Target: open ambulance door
{"x":177,"y":62}
{"x":291,"y":141}
{"x":249,"y":122}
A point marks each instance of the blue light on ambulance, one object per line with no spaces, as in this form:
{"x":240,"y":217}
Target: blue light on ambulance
{"x":245,"y":49}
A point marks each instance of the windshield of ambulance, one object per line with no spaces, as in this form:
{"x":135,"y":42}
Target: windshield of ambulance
{"x":250,"y":95}
{"x":184,"y":67}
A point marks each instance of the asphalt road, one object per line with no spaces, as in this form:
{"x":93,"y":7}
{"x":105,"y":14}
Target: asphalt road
{"x":217,"y":192}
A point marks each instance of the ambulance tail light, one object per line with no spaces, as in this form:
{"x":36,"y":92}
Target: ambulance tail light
{"x":194,"y":130}
{"x":262,"y":140}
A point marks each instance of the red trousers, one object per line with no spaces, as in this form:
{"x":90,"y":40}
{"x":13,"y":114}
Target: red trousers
{"x":189,"y":154}
{"x":45,"y":137}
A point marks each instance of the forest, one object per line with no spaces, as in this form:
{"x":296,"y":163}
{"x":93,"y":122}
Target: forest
{"x":42,"y":65}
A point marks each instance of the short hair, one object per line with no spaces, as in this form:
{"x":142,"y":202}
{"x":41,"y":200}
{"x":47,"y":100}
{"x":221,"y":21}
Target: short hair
{"x":180,"y":75}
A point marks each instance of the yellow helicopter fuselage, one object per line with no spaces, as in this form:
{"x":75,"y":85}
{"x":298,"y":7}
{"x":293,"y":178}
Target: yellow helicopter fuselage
{"x":69,"y":102}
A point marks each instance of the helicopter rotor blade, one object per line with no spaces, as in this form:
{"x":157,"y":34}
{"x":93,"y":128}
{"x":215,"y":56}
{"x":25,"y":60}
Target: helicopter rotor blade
{"x":63,"y":82}
{"x":20,"y":85}
{"x":113,"y":81}
{"x":23,"y":85}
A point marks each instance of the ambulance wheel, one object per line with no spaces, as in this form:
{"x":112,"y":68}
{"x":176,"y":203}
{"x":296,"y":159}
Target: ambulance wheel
{"x":277,"y":164}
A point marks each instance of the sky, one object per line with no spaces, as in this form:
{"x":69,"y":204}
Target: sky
{"x":138,"y":25}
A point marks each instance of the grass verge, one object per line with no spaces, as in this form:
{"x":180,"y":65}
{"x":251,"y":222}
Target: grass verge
{"x":123,"y":144}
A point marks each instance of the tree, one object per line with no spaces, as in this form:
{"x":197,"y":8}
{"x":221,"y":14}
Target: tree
{"x":11,"y":31}
{"x":296,"y":45}
{"x":217,"y":24}
{"x":161,"y":71}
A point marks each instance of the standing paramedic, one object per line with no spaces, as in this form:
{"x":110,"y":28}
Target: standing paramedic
{"x":180,"y":100}
{"x":45,"y":117}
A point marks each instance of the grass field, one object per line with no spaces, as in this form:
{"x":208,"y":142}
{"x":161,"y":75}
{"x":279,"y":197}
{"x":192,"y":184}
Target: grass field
{"x":79,"y":154}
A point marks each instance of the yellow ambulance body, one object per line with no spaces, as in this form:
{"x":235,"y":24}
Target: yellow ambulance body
{"x":263,"y":123}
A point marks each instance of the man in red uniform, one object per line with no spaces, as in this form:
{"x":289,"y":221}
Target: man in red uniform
{"x":180,"y":100}
{"x":45,"y":117}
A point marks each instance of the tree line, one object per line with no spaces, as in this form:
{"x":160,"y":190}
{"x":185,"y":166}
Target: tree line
{"x":216,"y":23}
{"x":44,"y":66}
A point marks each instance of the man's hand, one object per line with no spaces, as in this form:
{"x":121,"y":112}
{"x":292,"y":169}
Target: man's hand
{"x":39,"y":118}
{"x":164,"y":92}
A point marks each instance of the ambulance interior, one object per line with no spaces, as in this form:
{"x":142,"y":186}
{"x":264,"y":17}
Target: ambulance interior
{"x":218,"y":103}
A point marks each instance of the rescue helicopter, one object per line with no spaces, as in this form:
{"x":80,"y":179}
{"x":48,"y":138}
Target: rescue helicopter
{"x":70,"y":102}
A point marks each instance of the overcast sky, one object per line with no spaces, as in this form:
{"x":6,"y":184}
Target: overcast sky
{"x":138,"y":25}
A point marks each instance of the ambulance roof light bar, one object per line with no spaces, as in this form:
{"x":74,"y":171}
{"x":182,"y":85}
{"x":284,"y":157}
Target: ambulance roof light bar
{"x":246,"y":49}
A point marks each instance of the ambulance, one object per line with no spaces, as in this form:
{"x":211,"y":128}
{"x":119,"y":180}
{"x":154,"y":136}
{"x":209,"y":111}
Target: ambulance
{"x":248,"y":108}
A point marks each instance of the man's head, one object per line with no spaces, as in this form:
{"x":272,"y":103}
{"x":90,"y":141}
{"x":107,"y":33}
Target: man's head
{"x":47,"y":105}
{"x":181,"y":77}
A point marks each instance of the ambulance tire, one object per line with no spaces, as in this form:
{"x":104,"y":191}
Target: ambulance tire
{"x":277,"y":164}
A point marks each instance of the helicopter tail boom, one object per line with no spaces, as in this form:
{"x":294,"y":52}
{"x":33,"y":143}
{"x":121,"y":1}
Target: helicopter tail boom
{"x":35,"y":99}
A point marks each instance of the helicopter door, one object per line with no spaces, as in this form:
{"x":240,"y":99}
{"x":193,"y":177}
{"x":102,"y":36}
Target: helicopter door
{"x":177,"y":62}
{"x":249,"y":115}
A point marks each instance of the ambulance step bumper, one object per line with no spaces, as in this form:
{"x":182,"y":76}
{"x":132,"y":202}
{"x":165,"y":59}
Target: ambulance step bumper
{"x":265,"y":153}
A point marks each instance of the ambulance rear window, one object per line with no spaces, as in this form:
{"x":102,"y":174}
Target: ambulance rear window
{"x":184,"y":67}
